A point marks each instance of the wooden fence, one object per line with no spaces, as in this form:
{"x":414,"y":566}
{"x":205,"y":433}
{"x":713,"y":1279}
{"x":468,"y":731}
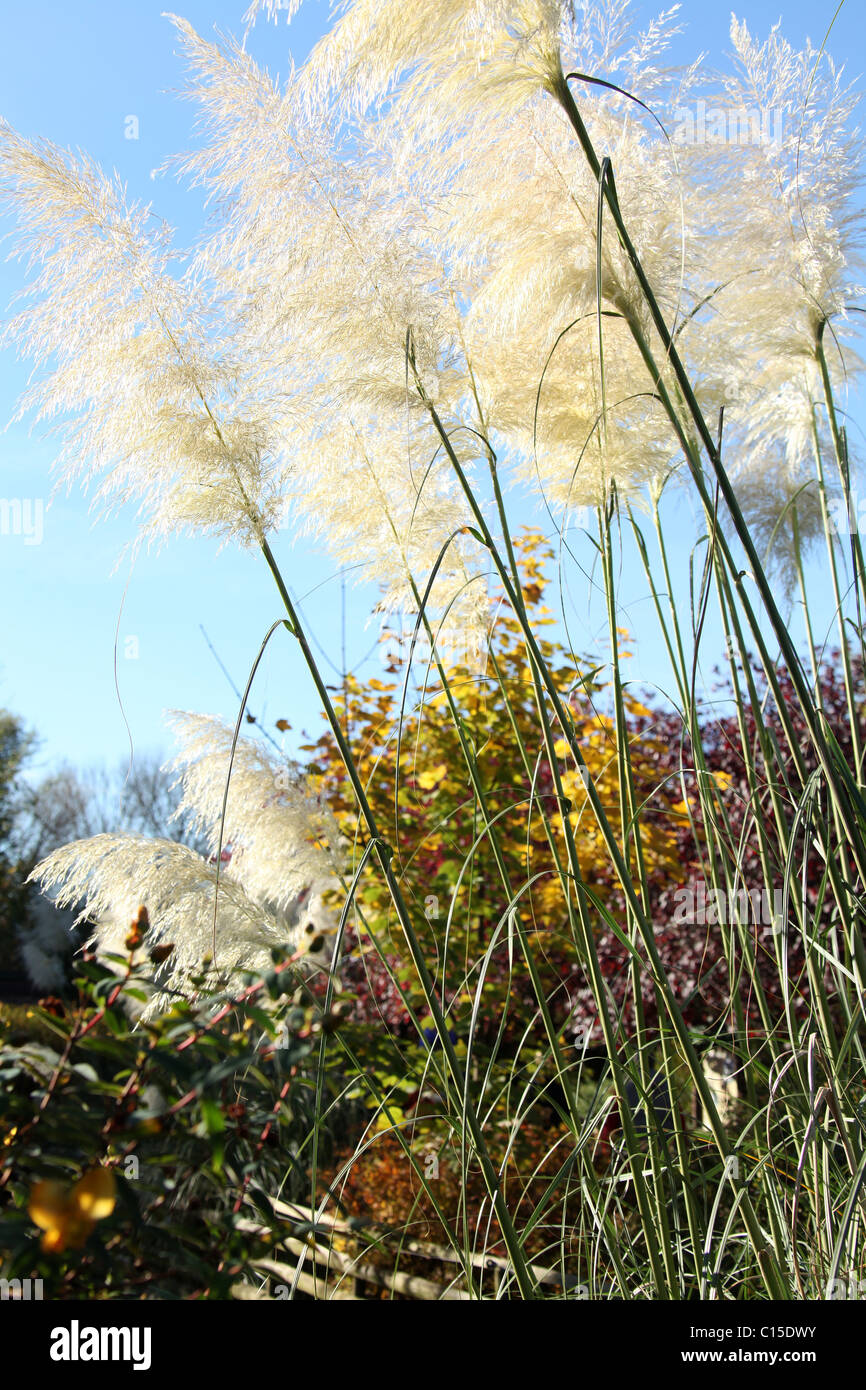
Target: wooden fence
{"x":330,"y":1258}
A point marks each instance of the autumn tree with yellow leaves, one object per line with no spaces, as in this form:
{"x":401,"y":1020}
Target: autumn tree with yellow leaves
{"x":477,"y":823}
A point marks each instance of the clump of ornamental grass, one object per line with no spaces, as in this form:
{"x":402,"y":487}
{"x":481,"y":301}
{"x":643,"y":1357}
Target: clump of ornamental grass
{"x":453,"y":253}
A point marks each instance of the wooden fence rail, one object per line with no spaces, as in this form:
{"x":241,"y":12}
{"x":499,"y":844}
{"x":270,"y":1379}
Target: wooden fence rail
{"x":330,"y":1259}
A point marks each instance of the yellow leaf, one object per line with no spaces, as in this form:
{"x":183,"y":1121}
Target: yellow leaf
{"x":68,"y":1215}
{"x":432,"y":777}
{"x":641,"y":711}
{"x":95,"y":1193}
{"x":48,"y":1203}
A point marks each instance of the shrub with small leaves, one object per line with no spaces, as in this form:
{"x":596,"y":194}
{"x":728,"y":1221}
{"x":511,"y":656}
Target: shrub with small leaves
{"x":134,"y":1160}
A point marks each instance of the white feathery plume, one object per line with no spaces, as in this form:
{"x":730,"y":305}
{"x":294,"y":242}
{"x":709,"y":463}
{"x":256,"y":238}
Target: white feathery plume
{"x":786,"y":237}
{"x":272,"y":9}
{"x":45,"y":968}
{"x":338,"y":272}
{"x":45,"y":943}
{"x":283,"y":839}
{"x":130,"y":362}
{"x":796,"y":189}
{"x":517,"y":213}
{"x":511,"y":47}
{"x":329,"y":257}
{"x":532,"y":330}
{"x":109,"y":877}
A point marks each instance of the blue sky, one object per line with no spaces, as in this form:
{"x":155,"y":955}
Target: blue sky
{"x":76,"y":74}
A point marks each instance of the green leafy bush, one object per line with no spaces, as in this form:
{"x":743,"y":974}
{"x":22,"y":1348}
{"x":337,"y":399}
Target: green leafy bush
{"x":199,"y":1117}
